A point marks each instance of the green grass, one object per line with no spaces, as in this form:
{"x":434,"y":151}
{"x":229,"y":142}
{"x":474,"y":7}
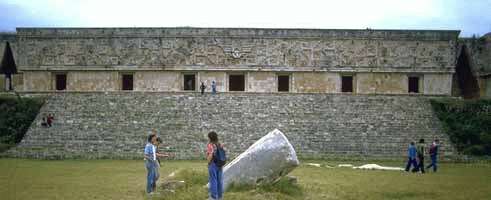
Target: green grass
{"x":125,"y":179}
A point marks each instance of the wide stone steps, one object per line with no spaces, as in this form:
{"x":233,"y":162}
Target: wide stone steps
{"x":115,"y":124}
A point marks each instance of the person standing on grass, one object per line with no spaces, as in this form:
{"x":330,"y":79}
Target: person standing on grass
{"x":434,"y":154}
{"x":150,"y":162}
{"x":411,"y":153}
{"x":420,"y":151}
{"x":157,"y":144}
{"x":214,"y":170}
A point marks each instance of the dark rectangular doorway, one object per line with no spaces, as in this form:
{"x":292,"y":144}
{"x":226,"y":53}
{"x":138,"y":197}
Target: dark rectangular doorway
{"x":413,"y":84}
{"x":236,"y":82}
{"x":347,"y":84}
{"x":127,"y":81}
{"x":283,"y":83}
{"x":60,"y":81}
{"x":189,"y":82}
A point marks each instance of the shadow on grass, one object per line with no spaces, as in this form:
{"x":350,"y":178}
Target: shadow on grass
{"x":195,"y":188}
{"x":282,"y":186}
{"x":408,"y":195}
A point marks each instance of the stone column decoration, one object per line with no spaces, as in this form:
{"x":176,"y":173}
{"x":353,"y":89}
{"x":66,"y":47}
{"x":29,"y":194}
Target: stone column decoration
{"x":266,"y":161}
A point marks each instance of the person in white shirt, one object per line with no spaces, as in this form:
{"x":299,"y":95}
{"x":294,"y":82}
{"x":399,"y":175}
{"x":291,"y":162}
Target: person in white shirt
{"x":150,"y":162}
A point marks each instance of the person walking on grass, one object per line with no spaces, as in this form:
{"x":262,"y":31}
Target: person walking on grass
{"x":215,"y":155}
{"x":434,"y":154}
{"x":411,"y":153}
{"x":420,"y":151}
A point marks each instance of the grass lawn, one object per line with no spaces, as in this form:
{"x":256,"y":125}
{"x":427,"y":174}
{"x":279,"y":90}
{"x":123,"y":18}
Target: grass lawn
{"x":125,"y":179}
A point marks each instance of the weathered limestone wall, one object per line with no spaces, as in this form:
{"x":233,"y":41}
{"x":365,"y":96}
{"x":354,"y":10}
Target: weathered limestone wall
{"x":158,"y":81}
{"x":262,"y":82}
{"x":92,"y":81}
{"x":300,"y":49}
{"x":479,"y":52}
{"x":38,"y":81}
{"x":157,"y":57}
{"x":17,"y":82}
{"x":397,"y":83}
{"x":115,"y":124}
{"x":380,"y":83}
{"x":316,"y":82}
{"x":439,"y":84}
{"x":220,"y":78}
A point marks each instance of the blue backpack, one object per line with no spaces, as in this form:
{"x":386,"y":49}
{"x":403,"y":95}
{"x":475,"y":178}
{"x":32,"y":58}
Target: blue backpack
{"x":220,"y":156}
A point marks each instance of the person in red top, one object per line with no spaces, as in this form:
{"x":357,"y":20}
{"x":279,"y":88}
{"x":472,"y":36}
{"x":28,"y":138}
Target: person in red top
{"x":50,"y":119}
{"x":215,"y":181}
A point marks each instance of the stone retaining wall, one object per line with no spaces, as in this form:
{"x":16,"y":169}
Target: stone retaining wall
{"x":116,"y":124}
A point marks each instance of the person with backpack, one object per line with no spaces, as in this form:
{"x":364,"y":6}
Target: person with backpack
{"x":420,"y":151}
{"x":215,"y":155}
{"x":433,"y":154}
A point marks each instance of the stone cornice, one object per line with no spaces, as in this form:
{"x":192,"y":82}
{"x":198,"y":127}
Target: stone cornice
{"x":183,"y":32}
{"x":241,"y":68}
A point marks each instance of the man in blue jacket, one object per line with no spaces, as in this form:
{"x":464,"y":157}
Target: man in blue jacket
{"x":411,"y":153}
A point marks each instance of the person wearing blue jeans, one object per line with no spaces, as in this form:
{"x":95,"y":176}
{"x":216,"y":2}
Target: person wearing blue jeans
{"x":411,"y":153}
{"x":215,"y":173}
{"x":150,"y":162}
{"x":215,"y":180}
{"x":434,"y":155}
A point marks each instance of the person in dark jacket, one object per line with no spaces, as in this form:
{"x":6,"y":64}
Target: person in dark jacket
{"x":434,"y":154}
{"x":202,"y":87}
{"x":420,"y":151}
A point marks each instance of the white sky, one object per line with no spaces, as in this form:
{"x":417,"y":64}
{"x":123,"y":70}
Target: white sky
{"x":472,"y":17}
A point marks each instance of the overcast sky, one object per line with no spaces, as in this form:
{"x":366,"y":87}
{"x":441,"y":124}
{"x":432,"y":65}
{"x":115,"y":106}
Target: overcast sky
{"x":469,"y":16}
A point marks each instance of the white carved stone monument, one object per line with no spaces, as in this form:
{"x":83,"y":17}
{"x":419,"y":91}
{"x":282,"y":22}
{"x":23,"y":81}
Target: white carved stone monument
{"x":265,"y":161}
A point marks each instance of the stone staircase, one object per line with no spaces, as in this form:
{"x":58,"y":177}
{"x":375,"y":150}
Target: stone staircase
{"x":116,"y":124}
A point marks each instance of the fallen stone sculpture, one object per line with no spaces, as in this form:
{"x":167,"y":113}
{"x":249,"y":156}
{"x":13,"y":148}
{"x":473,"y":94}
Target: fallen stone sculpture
{"x":265,"y":161}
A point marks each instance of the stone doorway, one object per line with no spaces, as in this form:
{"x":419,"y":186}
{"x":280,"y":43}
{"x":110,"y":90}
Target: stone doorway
{"x":189,"y":82}
{"x":127,"y":80}
{"x":60,"y":82}
{"x":236,"y":82}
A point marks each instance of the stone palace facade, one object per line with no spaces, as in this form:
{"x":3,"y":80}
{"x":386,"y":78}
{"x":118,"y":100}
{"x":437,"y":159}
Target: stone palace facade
{"x":237,"y":59}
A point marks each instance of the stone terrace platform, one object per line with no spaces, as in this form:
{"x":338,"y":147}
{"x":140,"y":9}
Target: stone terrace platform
{"x":116,"y":124}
